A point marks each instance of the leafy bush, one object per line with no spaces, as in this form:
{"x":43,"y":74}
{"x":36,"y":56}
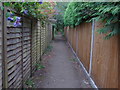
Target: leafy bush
{"x":108,"y":12}
{"x":37,"y":10}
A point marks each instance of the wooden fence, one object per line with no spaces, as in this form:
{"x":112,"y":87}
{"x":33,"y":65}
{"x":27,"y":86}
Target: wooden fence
{"x":99,"y":56}
{"x":21,"y":49}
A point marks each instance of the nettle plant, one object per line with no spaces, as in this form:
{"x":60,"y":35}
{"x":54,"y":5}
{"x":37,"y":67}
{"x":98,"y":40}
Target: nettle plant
{"x":38,"y":10}
{"x":107,"y":12}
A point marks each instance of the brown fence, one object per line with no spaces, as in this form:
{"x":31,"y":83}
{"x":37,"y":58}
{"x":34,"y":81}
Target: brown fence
{"x":21,"y":49}
{"x":101,"y":61}
{"x":105,"y":60}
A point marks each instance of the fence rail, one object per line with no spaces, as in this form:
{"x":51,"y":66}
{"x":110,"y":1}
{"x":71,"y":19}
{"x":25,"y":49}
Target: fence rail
{"x":21,"y":49}
{"x":99,"y":56}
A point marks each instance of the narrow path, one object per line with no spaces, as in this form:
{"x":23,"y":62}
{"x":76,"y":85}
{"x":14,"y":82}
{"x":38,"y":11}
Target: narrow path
{"x":61,"y":69}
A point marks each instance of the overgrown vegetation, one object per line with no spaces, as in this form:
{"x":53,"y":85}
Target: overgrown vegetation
{"x":30,"y":83}
{"x":38,"y":10}
{"x":39,"y":66}
{"x":108,"y":12}
{"x":73,"y":59}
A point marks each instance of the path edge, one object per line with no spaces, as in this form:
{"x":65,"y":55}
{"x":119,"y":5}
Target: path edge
{"x":90,"y":79}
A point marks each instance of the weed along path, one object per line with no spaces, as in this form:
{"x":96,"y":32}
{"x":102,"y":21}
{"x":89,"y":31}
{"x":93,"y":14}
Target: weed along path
{"x":61,"y":68}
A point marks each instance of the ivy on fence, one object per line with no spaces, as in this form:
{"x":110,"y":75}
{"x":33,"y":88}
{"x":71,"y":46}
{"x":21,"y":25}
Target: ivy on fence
{"x":39,"y":10}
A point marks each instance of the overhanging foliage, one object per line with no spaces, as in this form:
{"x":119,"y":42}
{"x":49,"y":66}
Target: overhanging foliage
{"x":108,"y":12}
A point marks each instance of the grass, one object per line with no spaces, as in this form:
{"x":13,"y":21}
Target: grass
{"x":73,"y":59}
{"x":39,"y":66}
{"x":29,"y":83}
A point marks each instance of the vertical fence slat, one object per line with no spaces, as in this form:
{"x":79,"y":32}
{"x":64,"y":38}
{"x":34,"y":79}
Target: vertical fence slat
{"x":5,"y":71}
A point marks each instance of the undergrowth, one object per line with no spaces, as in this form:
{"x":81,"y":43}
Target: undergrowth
{"x":39,"y":66}
{"x":30,"y":83}
{"x":73,"y":59}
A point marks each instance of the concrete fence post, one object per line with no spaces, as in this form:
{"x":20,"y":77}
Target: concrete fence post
{"x":92,"y":45}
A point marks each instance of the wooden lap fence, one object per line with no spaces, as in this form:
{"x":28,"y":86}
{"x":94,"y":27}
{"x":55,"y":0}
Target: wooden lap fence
{"x":99,"y":56}
{"x":21,"y":49}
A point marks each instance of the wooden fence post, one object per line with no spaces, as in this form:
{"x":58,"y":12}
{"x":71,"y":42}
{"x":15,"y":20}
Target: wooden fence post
{"x":31,"y":49}
{"x":4,"y":49}
{"x":92,"y":45}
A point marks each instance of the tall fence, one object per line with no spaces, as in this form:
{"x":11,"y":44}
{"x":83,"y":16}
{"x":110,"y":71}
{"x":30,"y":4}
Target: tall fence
{"x":99,"y":56}
{"x":21,"y":49}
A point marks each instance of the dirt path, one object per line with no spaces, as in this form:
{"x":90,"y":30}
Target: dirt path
{"x":61,"y":69}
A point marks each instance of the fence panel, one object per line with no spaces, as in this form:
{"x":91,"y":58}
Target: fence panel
{"x":21,"y":49}
{"x":26,"y":46}
{"x":105,"y":60}
{"x":42,"y":39}
{"x":14,"y":56}
{"x":38,"y":42}
{"x":34,"y":44}
{"x":18,"y":53}
{"x":84,"y":39}
{"x":0,"y":47}
{"x":105,"y":54}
